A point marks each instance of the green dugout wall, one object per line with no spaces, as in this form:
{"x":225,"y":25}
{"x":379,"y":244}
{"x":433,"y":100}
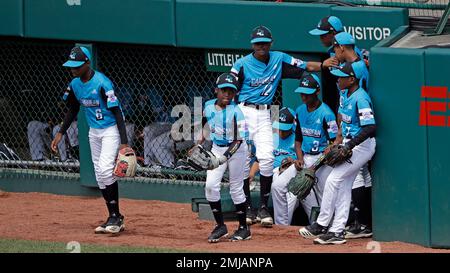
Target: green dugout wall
{"x":222,"y":24}
{"x":411,"y":167}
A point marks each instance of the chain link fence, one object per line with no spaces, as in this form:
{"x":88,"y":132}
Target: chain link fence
{"x":150,"y":82}
{"x":31,"y":84}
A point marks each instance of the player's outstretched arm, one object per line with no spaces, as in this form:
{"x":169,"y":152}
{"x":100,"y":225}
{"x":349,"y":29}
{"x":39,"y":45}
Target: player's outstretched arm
{"x":330,"y":62}
{"x":313,"y":66}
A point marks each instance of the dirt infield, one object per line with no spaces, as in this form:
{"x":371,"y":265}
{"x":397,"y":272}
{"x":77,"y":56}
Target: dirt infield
{"x":39,"y":216}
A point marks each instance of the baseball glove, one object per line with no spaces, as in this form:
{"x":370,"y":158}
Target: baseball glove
{"x":302,"y":183}
{"x":337,"y":155}
{"x":126,"y":163}
{"x":201,"y":159}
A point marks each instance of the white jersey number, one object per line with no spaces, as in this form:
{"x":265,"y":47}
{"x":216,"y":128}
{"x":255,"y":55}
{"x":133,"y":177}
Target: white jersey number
{"x":266,"y":90}
{"x":98,"y":114}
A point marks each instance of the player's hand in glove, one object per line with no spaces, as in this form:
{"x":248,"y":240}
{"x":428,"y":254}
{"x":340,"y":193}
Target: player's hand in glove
{"x":302,"y":183}
{"x":337,"y":155}
{"x":126,"y":163}
{"x":202,"y":159}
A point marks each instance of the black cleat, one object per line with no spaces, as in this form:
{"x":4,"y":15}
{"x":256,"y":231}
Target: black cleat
{"x":331,"y":238}
{"x":312,"y":231}
{"x":243,"y":233}
{"x":115,"y":224}
{"x":218,"y":232}
{"x":264,"y":217}
{"x":357,"y":230}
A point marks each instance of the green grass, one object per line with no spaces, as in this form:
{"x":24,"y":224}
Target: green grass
{"x":24,"y":246}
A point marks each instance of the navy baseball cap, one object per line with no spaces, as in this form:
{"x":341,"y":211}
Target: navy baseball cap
{"x":309,"y":84}
{"x":261,"y":34}
{"x":78,"y":56}
{"x":343,"y":38}
{"x":227,"y":80}
{"x":350,"y":69}
{"x":326,"y":25}
{"x":285,"y":120}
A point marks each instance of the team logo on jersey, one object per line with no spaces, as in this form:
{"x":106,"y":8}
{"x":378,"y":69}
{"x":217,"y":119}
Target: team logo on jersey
{"x":350,"y":107}
{"x":311,"y":132}
{"x":346,"y":118}
{"x":318,"y":121}
{"x":111,"y":97}
{"x":296,"y":62}
{"x":332,"y":127}
{"x":260,"y":32}
{"x":90,"y":103}
{"x":261,"y":81}
{"x":219,"y":131}
{"x":94,"y":92}
{"x":365,"y":114}
{"x":278,"y":152}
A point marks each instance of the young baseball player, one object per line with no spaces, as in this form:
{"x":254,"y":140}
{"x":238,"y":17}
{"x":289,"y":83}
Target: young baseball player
{"x":360,"y":227}
{"x":259,"y":74}
{"x":316,"y":128}
{"x":345,"y":51}
{"x":357,"y":133}
{"x":284,"y":152}
{"x":228,"y":130}
{"x":327,"y":28}
{"x":107,"y":132}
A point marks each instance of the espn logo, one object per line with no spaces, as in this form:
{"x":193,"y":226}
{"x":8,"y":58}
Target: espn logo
{"x":435,"y":101}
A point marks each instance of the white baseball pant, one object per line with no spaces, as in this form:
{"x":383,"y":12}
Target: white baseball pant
{"x":104,"y":148}
{"x":260,"y":131}
{"x":338,"y":187}
{"x":236,"y":171}
{"x":284,"y":202}
{"x":363,"y":179}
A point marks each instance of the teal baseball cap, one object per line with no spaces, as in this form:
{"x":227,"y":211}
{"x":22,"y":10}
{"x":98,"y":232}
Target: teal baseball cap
{"x":261,"y":34}
{"x":78,"y":56}
{"x":227,"y":80}
{"x":343,"y":38}
{"x":309,"y":84}
{"x":350,"y":69}
{"x":327,"y":24}
{"x":286,"y":120}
